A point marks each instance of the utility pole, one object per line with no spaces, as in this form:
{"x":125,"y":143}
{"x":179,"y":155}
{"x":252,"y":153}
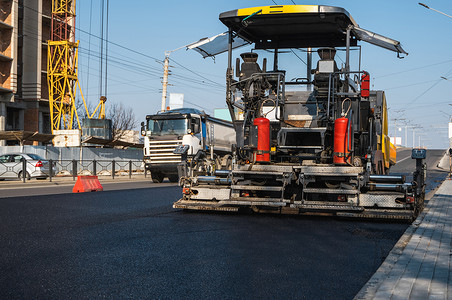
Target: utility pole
{"x":165,"y":80}
{"x":166,"y":72}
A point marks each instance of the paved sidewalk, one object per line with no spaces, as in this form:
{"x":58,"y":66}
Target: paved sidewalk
{"x":419,"y":266}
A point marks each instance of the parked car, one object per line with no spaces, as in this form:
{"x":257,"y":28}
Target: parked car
{"x":11,"y":166}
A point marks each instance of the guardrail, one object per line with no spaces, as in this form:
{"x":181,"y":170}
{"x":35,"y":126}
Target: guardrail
{"x":68,"y":168}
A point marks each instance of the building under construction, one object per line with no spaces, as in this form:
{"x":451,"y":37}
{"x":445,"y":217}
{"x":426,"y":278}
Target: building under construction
{"x":25,"y":28}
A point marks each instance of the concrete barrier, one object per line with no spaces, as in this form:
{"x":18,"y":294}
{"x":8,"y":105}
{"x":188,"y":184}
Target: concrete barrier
{"x":87,"y":184}
{"x":444,"y":162}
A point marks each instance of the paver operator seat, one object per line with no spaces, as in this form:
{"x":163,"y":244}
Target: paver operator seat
{"x":325,"y":66}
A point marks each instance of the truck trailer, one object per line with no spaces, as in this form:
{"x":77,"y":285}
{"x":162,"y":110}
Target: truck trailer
{"x":316,"y":141}
{"x":190,"y":130}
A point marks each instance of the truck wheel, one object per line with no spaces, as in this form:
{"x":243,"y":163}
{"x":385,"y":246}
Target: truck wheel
{"x":157,"y":177}
{"x":173,"y":178}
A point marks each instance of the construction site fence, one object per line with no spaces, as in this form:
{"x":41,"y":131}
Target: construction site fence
{"x":73,"y":168}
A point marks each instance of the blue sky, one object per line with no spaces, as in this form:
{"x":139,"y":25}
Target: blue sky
{"x":141,"y":31}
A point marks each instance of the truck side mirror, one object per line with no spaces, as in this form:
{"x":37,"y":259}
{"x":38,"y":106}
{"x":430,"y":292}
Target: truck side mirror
{"x":195,"y":126}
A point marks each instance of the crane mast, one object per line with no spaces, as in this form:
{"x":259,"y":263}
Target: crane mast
{"x":62,"y":69}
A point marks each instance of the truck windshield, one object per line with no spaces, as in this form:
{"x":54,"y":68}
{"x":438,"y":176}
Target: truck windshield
{"x":168,"y":127}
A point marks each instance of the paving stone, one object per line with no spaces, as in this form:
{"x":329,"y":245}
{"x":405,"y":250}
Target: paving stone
{"x":399,"y":296}
{"x":425,"y":275}
{"x":419,"y":293}
{"x":437,"y":297}
{"x":383,"y":295}
{"x":386,"y":286}
{"x":438,"y":287}
{"x":441,"y":273}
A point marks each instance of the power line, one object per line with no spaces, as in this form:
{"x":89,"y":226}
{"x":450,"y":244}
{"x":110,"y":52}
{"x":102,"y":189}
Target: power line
{"x":101,"y":46}
{"x":93,"y":35}
{"x":298,"y":57}
{"x":131,"y":67}
{"x":191,"y":71}
{"x":134,"y":51}
{"x":89,"y":40}
{"x":135,"y":69}
{"x":433,"y":85}
{"x":128,"y":65}
{"x":408,"y":85}
{"x":414,"y":69}
{"x":106,"y":51}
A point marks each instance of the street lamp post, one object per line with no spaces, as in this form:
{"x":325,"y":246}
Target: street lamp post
{"x":406,"y":135}
{"x":395,"y":129}
{"x":428,"y":7}
{"x":414,"y":128}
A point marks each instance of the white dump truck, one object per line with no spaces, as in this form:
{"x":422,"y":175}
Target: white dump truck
{"x":201,"y":140}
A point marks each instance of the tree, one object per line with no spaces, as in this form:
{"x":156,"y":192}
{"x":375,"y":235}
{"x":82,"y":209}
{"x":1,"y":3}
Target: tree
{"x":122,"y":119}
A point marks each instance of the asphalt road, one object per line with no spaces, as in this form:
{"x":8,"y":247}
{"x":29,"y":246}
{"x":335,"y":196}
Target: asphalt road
{"x":132,"y":244}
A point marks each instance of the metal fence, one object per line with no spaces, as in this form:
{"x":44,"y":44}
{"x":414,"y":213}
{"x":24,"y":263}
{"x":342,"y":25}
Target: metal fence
{"x":80,"y":153}
{"x":70,"y":168}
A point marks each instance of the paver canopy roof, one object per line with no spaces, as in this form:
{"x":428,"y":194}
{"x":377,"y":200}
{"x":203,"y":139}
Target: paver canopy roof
{"x":292,"y":26}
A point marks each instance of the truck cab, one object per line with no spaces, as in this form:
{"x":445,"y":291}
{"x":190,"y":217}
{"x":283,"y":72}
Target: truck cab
{"x":165,"y":131}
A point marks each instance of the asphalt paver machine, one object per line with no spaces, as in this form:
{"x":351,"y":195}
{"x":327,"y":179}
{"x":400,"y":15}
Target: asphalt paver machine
{"x":314,"y":144}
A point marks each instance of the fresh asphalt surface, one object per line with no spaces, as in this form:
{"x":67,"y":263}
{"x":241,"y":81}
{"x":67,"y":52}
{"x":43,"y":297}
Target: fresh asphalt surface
{"x":132,"y":244}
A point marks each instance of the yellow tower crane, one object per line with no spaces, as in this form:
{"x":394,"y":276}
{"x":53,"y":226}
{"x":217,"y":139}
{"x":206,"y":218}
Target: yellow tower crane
{"x":62,"y":65}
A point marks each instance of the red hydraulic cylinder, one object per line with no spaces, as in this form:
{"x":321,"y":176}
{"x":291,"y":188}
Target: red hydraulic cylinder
{"x":263,"y":139}
{"x":341,"y":149}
